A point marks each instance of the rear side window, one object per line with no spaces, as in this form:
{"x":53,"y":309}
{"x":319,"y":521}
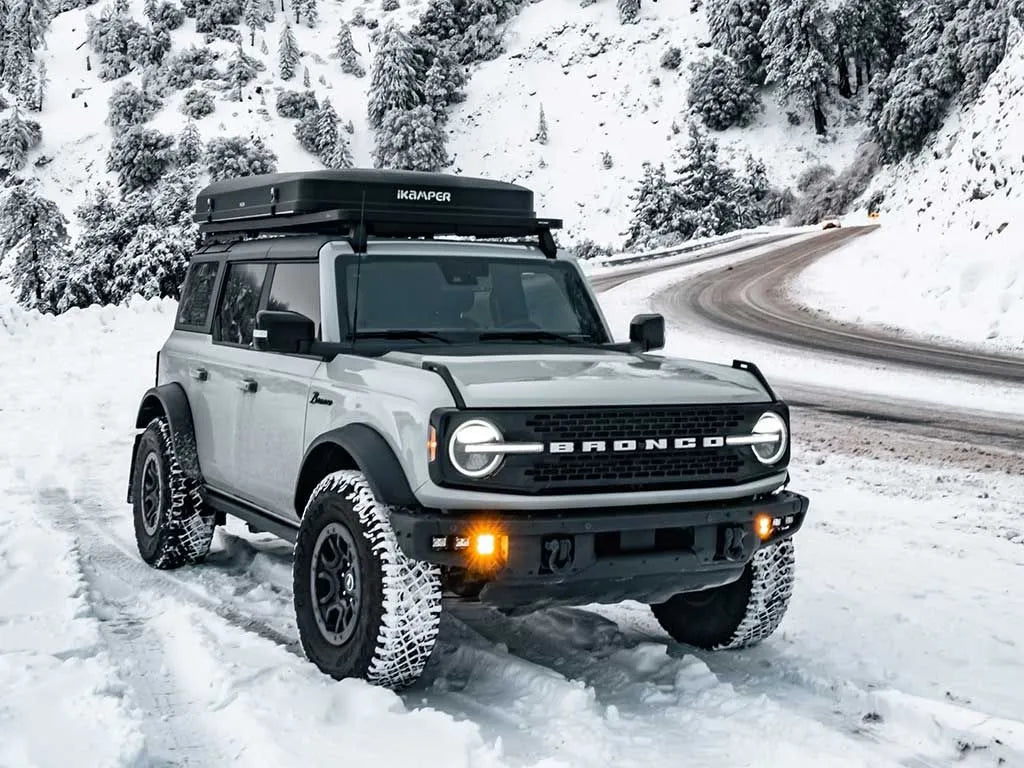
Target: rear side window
{"x":194,"y":307}
{"x":295,"y":287}
{"x":239,"y":301}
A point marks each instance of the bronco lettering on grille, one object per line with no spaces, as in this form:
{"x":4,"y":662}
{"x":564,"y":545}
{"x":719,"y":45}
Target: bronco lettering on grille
{"x":626,"y":446}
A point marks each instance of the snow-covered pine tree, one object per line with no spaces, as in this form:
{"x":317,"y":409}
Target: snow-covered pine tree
{"x":230,"y":156}
{"x":31,"y":19}
{"x":296,"y":103}
{"x":25,"y":93}
{"x":130,"y":106}
{"x":241,"y":71}
{"x":190,"y":144}
{"x":269,"y":9}
{"x":288,"y":52}
{"x":800,"y":46}
{"x":629,"y":11}
{"x":331,"y":146}
{"x":214,"y":14}
{"x":309,"y":11}
{"x":541,"y":137}
{"x":197,"y":103}
{"x":410,"y":139}
{"x":439,"y":21}
{"x":305,"y":77}
{"x":719,"y":94}
{"x":154,"y":263}
{"x":736,"y":31}
{"x":254,"y":14}
{"x":874,"y":30}
{"x":345,"y":51}
{"x":263,"y":47}
{"x":652,"y":207}
{"x":17,"y":58}
{"x":306,"y":131}
{"x":149,"y":8}
{"x":705,"y":191}
{"x":140,"y":156}
{"x":35,"y":231}
{"x":482,"y":41}
{"x":394,"y":84}
{"x":17,"y":137}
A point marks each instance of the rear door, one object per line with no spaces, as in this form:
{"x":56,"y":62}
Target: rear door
{"x":269,"y":431}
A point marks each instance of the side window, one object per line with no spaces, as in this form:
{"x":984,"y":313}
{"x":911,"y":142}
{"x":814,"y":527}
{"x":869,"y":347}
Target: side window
{"x":295,"y":287}
{"x":194,"y":307}
{"x":236,"y":314}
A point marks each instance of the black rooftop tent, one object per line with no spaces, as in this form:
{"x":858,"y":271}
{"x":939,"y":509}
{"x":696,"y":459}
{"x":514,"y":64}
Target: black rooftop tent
{"x":359,"y":203}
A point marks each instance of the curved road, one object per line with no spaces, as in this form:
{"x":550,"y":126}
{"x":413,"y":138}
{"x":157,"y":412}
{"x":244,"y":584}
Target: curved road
{"x":749,"y":298}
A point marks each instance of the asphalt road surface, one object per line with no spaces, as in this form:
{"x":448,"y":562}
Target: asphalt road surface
{"x":748,"y":298}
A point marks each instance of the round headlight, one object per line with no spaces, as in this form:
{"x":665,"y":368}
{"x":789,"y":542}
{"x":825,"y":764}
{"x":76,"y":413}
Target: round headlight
{"x":770,"y":425}
{"x":462,"y":446}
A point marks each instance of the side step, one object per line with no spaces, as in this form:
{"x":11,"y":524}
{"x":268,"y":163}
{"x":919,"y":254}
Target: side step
{"x":259,"y":520}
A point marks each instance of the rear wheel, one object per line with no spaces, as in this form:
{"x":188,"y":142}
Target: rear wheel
{"x":736,"y":615}
{"x":362,"y":607}
{"x":172,"y":526}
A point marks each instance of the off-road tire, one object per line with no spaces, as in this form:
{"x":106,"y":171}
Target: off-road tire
{"x":399,"y":599}
{"x":179,"y":529}
{"x":736,"y":615}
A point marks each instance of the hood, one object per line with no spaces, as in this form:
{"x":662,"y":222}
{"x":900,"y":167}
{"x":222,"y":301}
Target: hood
{"x":579,"y":379}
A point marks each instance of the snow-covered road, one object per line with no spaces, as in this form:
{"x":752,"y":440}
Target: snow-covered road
{"x":902,"y":646}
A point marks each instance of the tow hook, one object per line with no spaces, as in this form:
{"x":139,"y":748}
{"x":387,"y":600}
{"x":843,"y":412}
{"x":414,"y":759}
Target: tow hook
{"x":735,"y":543}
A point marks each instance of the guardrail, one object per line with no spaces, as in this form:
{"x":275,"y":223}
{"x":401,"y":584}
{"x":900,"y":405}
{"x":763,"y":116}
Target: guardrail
{"x":676,"y":250}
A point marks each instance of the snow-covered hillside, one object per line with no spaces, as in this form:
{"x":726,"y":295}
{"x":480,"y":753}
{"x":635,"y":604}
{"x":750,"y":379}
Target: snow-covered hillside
{"x":901,"y":647}
{"x":949,"y":260}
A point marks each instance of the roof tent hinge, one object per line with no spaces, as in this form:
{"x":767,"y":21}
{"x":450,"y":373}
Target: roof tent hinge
{"x":209,"y":209}
{"x":359,"y":237}
{"x":547,"y":242}
{"x":273,"y":200}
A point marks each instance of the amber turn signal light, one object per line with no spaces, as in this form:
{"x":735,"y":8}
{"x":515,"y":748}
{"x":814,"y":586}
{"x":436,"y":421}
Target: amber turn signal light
{"x":763,"y":527}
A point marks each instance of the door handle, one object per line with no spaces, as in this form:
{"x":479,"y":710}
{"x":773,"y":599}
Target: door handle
{"x":248,"y":385}
{"x":199,"y":374}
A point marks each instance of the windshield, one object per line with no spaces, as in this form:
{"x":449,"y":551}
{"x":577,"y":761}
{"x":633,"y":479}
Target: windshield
{"x":450,"y":300}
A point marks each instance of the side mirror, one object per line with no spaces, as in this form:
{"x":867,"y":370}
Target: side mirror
{"x":647,"y":332}
{"x":288,"y":332}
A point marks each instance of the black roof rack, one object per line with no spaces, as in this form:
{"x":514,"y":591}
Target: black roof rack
{"x":359,"y":203}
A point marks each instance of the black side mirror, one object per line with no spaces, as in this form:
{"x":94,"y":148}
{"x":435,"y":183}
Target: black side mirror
{"x":288,"y":332}
{"x":647,"y":332}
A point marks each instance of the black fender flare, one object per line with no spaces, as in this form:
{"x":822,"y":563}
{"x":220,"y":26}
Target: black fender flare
{"x":372,"y":455}
{"x":169,"y":400}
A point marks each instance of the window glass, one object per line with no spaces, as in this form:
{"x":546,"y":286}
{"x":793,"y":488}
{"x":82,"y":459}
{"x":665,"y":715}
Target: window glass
{"x":198,"y":293}
{"x":236,"y":315}
{"x":296,"y":288}
{"x":463,"y":297}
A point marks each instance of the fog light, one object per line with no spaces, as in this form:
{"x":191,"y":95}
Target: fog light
{"x":485,"y":544}
{"x":763,"y":527}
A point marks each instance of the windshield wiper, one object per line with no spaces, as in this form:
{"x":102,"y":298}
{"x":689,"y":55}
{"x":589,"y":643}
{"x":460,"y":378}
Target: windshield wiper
{"x":423,"y":336}
{"x":538,"y":335}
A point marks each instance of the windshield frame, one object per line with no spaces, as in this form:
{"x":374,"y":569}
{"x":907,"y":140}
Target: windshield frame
{"x":585,"y":305}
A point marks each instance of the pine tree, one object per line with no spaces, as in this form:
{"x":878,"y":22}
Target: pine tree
{"x":705,"y":191}
{"x":629,"y":11}
{"x":227,"y":157}
{"x":190,"y":144}
{"x":394,"y":84}
{"x":140,"y":156}
{"x":736,"y":31}
{"x":130,"y":106}
{"x":17,"y":137}
{"x":263,"y":47}
{"x":440,"y":21}
{"x":35,"y":231}
{"x":800,"y":46}
{"x":27,"y":89}
{"x":309,"y":12}
{"x":154,"y":263}
{"x":241,"y":71}
{"x":345,"y":50}
{"x":542,"y":128}
{"x":305,"y":77}
{"x":436,"y":92}
{"x":652,"y":207}
{"x":254,"y":14}
{"x":331,"y":146}
{"x":149,"y":8}
{"x":31,"y":18}
{"x":288,"y":52}
{"x":410,"y":139}
{"x":719,"y":95}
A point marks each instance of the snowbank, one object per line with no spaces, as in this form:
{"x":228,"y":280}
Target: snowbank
{"x":949,"y":260}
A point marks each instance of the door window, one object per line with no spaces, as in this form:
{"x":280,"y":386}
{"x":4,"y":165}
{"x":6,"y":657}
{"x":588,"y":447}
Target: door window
{"x":196,"y":297}
{"x":295,"y":287}
{"x":239,"y":301}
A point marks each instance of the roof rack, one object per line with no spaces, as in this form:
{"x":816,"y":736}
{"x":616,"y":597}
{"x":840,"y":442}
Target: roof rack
{"x":358,"y":204}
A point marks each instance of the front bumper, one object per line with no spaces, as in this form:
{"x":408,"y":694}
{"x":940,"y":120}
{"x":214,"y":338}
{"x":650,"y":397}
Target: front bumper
{"x":602,"y":555}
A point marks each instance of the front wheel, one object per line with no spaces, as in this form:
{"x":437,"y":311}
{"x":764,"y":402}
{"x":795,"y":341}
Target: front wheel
{"x":735,"y":615}
{"x":362,"y":607}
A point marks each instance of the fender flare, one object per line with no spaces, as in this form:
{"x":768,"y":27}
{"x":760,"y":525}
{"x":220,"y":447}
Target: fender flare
{"x":375,"y":459}
{"x":169,"y":400}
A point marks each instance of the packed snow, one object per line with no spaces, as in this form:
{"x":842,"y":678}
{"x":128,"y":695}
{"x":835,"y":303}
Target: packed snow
{"x":901,"y":647}
{"x":949,"y":260}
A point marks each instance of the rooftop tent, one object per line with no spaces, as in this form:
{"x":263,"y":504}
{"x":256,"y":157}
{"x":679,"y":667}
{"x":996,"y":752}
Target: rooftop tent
{"x":360,"y":203}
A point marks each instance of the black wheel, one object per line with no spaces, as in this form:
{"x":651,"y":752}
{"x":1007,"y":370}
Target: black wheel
{"x":736,"y":615}
{"x":172,"y":527}
{"x":362,"y":607}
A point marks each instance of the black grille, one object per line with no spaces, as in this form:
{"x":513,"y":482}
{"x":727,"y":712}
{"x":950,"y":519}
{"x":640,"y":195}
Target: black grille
{"x":610,"y":470}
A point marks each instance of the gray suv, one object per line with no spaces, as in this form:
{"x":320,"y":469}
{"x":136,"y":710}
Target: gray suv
{"x":401,"y":374}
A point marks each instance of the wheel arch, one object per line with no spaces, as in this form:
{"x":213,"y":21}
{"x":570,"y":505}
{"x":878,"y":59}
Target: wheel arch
{"x":360,"y":447}
{"x":169,"y":401}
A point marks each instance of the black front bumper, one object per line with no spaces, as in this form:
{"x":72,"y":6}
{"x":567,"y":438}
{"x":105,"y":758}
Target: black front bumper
{"x":602,"y":555}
